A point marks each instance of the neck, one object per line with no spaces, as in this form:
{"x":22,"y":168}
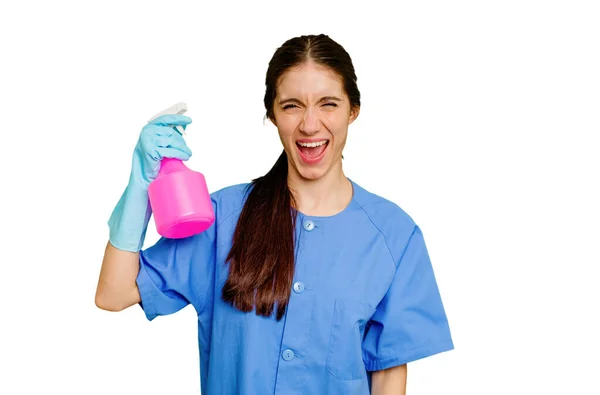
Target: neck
{"x":325,"y":196}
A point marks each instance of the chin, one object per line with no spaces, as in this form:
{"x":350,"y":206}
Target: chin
{"x":311,"y":174}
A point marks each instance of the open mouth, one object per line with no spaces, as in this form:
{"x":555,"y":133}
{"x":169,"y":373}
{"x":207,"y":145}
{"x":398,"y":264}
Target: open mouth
{"x":312,"y":151}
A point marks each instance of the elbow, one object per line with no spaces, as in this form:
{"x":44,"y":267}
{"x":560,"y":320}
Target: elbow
{"x":105,"y":302}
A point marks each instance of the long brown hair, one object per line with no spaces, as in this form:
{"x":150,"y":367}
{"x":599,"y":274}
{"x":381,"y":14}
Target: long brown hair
{"x":261,"y":259}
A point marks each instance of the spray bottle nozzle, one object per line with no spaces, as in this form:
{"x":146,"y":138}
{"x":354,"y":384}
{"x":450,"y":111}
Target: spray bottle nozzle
{"x":178,"y":108}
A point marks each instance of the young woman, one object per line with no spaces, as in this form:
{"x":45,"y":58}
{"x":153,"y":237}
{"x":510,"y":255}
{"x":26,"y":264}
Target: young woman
{"x":306,"y":283}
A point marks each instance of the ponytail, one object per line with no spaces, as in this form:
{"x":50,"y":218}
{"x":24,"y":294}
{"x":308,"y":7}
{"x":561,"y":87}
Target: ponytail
{"x":261,"y":259}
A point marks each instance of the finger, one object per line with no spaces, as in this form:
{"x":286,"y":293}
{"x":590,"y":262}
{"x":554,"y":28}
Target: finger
{"x":173,"y":141}
{"x":152,"y":130}
{"x":171,"y":119}
{"x":173,"y":153}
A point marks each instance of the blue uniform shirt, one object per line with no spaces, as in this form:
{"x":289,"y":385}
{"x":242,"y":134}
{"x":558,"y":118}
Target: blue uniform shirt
{"x":364,"y":298}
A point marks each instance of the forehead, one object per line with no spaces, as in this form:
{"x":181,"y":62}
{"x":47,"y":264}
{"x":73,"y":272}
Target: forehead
{"x":310,"y":79}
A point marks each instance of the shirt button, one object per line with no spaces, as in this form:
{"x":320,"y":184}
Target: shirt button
{"x":288,"y":355}
{"x":298,"y":287}
{"x":309,"y":225}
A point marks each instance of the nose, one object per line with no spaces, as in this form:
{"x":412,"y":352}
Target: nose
{"x":311,"y":123}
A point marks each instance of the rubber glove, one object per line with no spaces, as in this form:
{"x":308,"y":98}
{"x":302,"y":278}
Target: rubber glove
{"x":158,"y":139}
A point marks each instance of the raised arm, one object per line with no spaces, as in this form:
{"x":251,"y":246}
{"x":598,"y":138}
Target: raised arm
{"x":117,"y":288}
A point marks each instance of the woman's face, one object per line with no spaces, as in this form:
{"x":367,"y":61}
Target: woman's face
{"x":312,"y":113}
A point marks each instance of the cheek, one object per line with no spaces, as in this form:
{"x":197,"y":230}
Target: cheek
{"x":336,"y":125}
{"x":286,"y":131}
{"x":286,"y":125}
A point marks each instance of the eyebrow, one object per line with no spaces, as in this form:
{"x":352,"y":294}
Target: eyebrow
{"x":324,"y":98}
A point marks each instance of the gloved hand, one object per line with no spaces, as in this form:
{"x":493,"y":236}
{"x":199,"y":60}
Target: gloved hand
{"x":158,"y":139}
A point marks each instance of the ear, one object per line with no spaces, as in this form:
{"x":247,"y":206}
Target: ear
{"x":353,"y":114}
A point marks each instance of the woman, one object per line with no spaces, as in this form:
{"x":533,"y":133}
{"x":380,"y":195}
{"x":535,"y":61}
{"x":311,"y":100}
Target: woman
{"x":306,"y":283}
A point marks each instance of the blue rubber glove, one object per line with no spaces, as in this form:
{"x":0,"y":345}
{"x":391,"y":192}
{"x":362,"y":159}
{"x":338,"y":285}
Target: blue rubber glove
{"x":158,"y":139}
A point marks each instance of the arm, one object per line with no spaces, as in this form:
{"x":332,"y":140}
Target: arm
{"x":390,"y":381}
{"x":410,"y":322}
{"x":117,"y":288}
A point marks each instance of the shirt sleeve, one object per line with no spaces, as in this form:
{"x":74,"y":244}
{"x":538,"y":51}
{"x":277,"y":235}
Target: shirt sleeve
{"x":410,"y":322}
{"x":177,"y":272}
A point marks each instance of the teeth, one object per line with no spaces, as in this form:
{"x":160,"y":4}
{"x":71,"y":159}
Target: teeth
{"x":315,"y":144}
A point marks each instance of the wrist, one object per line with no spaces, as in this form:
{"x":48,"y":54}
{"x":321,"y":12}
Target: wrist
{"x":129,"y":220}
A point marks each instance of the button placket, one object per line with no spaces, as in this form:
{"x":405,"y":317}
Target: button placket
{"x":298,"y":319}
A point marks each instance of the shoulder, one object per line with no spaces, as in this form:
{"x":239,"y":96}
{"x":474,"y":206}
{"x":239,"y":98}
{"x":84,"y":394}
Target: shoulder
{"x":229,"y":200}
{"x":231,"y":192}
{"x":387,"y":218}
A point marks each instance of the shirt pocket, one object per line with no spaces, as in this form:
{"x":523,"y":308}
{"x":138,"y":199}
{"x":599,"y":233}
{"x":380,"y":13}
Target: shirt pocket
{"x":344,"y":356}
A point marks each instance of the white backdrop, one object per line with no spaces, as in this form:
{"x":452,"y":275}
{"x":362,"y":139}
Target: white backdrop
{"x":480,"y":119}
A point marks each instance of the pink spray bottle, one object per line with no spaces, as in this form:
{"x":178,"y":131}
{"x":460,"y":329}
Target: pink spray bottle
{"x":179,"y":197}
